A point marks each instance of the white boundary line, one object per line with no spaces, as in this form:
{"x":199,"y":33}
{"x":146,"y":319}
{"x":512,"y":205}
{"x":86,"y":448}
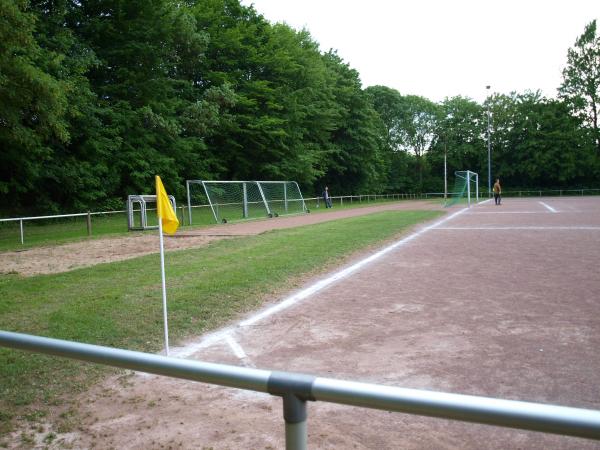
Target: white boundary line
{"x":320,"y":285}
{"x":550,"y":208}
{"x":225,"y":333}
{"x":237,"y":348}
{"x":520,"y":228}
{"x":509,"y":212}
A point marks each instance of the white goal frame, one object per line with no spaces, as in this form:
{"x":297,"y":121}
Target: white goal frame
{"x":142,"y":201}
{"x":468,"y":175}
{"x":264,"y":200}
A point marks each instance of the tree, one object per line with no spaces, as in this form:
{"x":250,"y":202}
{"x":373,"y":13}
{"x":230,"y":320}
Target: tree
{"x":417,"y":127}
{"x":460,"y":134}
{"x":581,"y":79}
{"x":358,"y":162}
{"x":33,"y":105}
{"x":537,"y":143}
{"x":387,"y":102}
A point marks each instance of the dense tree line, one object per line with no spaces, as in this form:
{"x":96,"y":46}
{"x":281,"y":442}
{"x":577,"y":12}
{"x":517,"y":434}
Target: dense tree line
{"x":98,"y":96}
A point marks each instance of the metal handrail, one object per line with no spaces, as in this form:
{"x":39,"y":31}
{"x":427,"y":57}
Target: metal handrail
{"x":297,"y":389}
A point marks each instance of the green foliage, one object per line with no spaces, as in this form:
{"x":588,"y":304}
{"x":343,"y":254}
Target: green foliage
{"x":33,"y":103}
{"x":97,"y":97}
{"x":581,"y":79}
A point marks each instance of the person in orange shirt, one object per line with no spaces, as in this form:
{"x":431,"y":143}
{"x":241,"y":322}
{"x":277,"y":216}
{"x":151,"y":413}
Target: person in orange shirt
{"x":497,"y":192}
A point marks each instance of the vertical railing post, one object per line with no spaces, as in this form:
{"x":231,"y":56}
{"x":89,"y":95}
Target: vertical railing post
{"x":295,"y":415}
{"x":21,"y":227}
{"x":89,"y":223}
{"x":295,"y":390}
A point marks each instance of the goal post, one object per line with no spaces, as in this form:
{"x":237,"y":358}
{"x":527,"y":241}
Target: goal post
{"x":466,"y":188}
{"x":231,"y":201}
{"x":283,"y":197}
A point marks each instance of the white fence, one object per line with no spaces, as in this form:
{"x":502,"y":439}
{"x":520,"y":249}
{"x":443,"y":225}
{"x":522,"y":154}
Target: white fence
{"x":296,"y":389}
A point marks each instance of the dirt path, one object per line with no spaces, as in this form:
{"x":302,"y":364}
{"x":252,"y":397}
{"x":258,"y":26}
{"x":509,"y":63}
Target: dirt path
{"x":62,"y":258}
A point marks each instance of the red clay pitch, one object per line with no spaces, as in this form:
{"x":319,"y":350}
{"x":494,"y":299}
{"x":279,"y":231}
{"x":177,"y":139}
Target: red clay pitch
{"x":499,"y":301}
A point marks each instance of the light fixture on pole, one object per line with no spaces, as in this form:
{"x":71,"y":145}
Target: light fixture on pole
{"x":489,"y":147}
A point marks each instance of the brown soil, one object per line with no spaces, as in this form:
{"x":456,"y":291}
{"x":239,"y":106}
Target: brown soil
{"x":499,"y":301}
{"x":62,"y":258}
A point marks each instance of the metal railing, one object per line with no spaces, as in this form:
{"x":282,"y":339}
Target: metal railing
{"x":360,"y":199}
{"x":296,"y":389}
{"x":181,"y":211}
{"x":88,"y":216}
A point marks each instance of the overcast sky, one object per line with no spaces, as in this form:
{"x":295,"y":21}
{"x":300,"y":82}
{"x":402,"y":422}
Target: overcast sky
{"x":438,"y":48}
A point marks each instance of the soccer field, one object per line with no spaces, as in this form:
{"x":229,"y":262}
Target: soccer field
{"x":497,"y":301}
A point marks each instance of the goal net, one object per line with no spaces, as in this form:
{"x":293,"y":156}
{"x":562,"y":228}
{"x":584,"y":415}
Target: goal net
{"x":466,"y":188}
{"x":231,"y":201}
{"x":282,"y":197}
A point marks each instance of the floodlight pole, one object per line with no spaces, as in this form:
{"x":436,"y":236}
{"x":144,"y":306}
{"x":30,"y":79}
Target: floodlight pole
{"x":445,"y":172}
{"x":489,"y":145}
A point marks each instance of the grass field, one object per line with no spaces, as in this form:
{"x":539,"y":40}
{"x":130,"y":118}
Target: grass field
{"x":119,"y":304}
{"x":58,"y":231}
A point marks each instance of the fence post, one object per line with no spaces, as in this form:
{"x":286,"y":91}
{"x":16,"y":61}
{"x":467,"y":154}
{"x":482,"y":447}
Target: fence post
{"x":341,"y":201}
{"x":21,"y":227}
{"x":89,"y":223}
{"x":582,"y":192}
{"x":295,"y":414}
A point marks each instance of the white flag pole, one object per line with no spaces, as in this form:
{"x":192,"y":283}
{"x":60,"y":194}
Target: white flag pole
{"x":164,"y":285}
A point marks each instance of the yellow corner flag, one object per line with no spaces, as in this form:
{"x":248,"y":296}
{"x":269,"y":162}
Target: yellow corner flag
{"x":164,"y":209}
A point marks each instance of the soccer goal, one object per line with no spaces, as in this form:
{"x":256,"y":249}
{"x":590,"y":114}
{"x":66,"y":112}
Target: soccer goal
{"x":137,"y":212}
{"x":232,"y":201}
{"x":466,"y":188}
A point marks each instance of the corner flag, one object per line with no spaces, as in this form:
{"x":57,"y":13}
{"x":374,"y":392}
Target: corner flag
{"x":167,"y":221}
{"x":164,"y":209}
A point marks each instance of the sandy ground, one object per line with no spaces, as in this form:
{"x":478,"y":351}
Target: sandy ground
{"x":62,"y":258}
{"x":497,"y":301}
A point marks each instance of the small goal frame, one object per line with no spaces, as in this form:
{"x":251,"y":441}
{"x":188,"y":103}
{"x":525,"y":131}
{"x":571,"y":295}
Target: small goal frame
{"x":142,"y":201}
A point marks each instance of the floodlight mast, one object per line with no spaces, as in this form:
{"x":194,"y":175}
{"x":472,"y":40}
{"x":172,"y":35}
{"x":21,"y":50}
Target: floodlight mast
{"x":489,"y":148}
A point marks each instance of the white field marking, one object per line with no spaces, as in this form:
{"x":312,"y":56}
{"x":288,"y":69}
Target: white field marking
{"x":520,"y":228}
{"x":237,"y":348}
{"x":219,"y":335}
{"x":320,"y":285}
{"x":484,"y":201}
{"x":509,"y":212}
{"x":550,"y":208}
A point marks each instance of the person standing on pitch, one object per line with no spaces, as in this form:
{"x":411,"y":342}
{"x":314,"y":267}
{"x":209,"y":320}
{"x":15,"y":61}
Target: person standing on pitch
{"x":327,"y":197}
{"x":497,"y":192}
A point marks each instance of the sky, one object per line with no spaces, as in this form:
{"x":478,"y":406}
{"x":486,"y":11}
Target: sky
{"x":437,"y":48}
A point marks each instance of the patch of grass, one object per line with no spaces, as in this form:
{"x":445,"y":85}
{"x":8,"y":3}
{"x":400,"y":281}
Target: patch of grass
{"x":119,"y":304}
{"x":49,"y":438}
{"x":63,"y":230}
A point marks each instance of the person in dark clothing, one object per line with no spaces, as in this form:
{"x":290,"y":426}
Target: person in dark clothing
{"x":327,"y":198}
{"x":497,"y":192}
